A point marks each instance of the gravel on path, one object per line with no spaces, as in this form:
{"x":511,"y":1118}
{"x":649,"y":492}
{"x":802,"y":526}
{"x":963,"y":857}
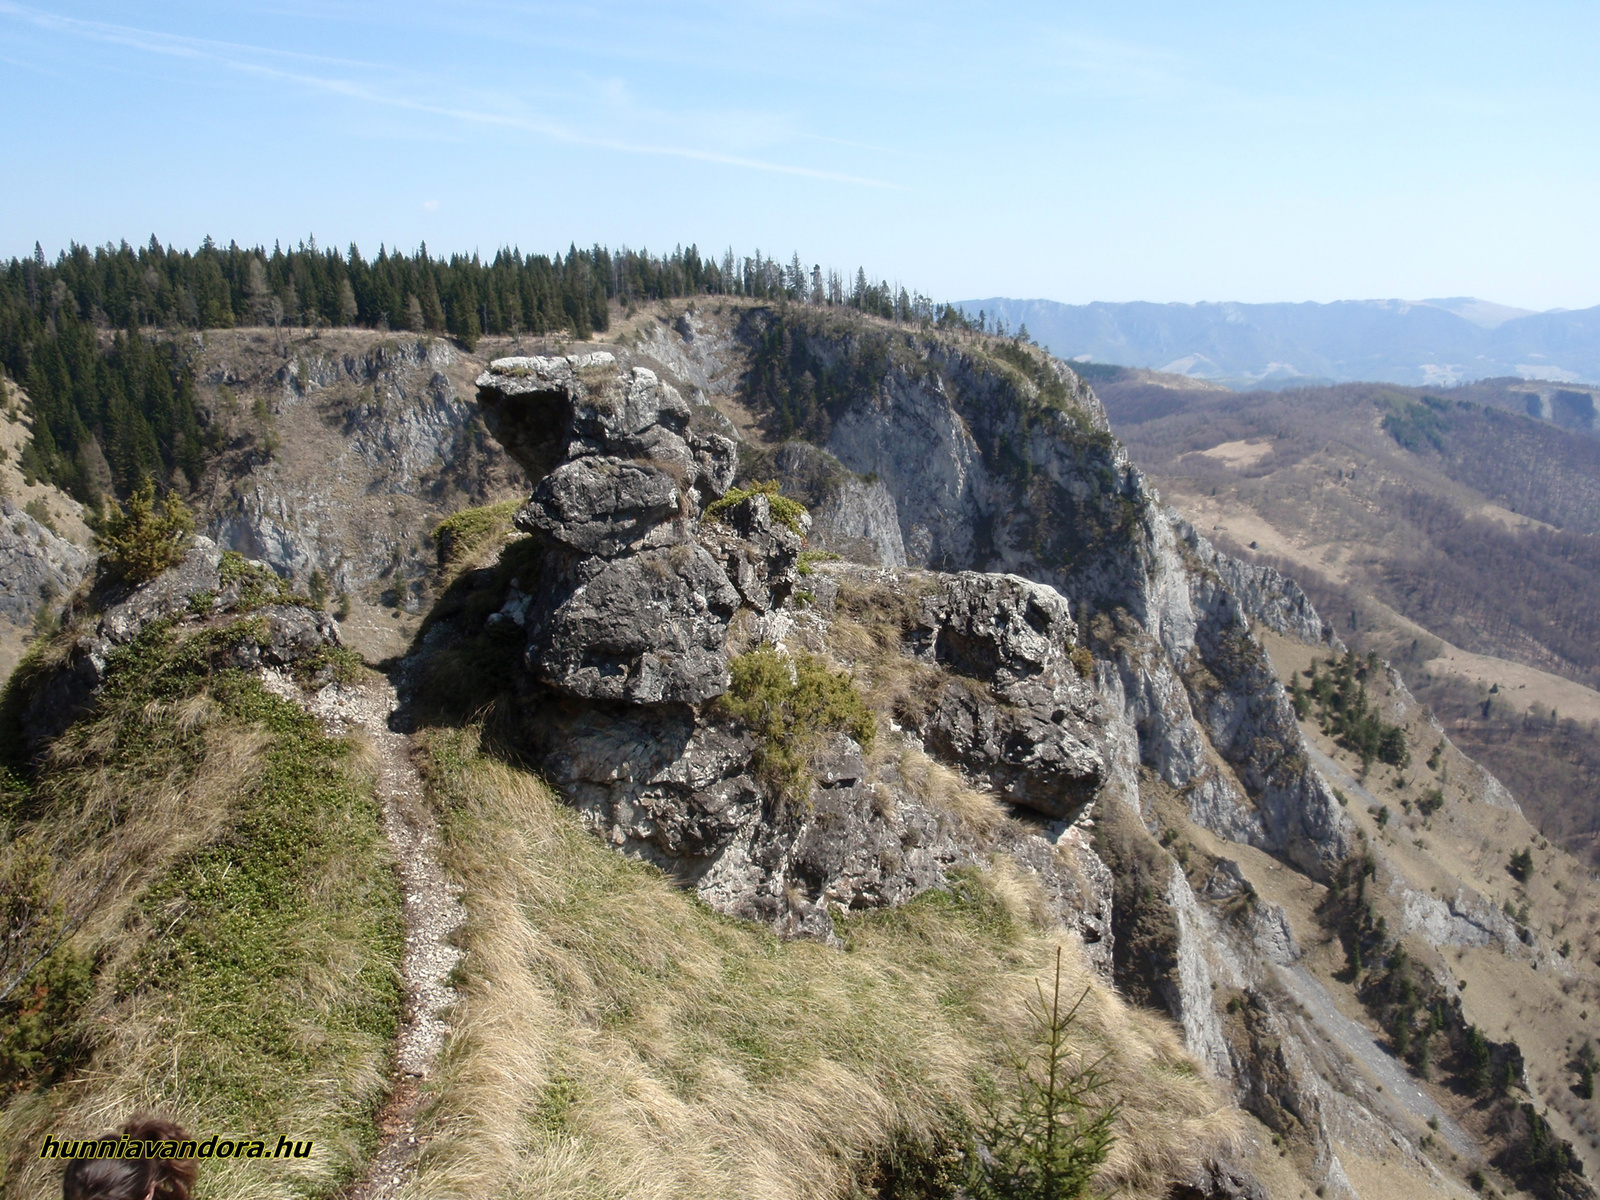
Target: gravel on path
{"x":433,"y":912}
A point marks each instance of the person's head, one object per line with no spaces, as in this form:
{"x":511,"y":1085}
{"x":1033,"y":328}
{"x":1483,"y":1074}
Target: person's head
{"x":133,"y":1178}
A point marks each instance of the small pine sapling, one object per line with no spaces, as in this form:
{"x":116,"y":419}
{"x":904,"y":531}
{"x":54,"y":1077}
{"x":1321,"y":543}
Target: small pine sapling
{"x":1047,"y":1138}
{"x":136,"y":543}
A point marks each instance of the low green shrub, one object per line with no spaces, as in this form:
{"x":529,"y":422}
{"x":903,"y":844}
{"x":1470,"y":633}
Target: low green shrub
{"x":1083,"y":660}
{"x":784,"y":509}
{"x":461,"y":533}
{"x":789,"y":703}
{"x":258,"y":584}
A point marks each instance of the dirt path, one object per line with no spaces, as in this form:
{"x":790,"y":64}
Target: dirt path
{"x":433,"y":911}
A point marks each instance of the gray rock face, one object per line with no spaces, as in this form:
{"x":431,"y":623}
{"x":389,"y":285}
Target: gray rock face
{"x":1185,"y":672}
{"x":604,"y":507}
{"x":759,"y":554}
{"x":629,"y":607}
{"x":378,"y":439}
{"x":626,"y":629}
{"x":859,"y":522}
{"x":852,"y":516}
{"x":1264,"y":593}
{"x":649,"y":628}
{"x":35,"y":565}
{"x":676,"y":789}
{"x":1218,"y":1180}
{"x":290,"y":633}
{"x":1035,"y":732}
{"x":1467,"y":920}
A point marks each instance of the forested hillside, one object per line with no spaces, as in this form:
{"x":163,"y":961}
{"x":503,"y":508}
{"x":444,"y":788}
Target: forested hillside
{"x":113,"y":408}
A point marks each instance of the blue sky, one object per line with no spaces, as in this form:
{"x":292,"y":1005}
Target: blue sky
{"x":1110,"y":151}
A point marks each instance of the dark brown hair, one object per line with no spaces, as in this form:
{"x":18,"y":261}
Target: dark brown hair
{"x":133,"y":1178}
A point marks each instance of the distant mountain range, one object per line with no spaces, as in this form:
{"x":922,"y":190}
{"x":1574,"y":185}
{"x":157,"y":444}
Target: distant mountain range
{"x":1420,"y":343}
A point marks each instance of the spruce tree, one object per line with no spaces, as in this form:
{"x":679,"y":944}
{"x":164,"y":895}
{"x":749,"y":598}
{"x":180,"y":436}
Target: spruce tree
{"x":1046,"y":1139}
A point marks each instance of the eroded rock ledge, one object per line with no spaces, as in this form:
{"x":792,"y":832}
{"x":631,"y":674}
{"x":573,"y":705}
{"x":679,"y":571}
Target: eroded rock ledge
{"x":260,"y":621}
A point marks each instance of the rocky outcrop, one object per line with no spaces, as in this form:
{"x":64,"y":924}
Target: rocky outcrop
{"x":992,"y":468}
{"x":629,"y":606}
{"x":676,"y":789}
{"x":643,"y":560}
{"x":36,"y":565}
{"x":203,"y":591}
{"x":1465,"y":920}
{"x":1217,"y":1180}
{"x":988,"y":476}
{"x":1016,"y":710}
{"x":758,"y":552}
{"x":1264,"y":593}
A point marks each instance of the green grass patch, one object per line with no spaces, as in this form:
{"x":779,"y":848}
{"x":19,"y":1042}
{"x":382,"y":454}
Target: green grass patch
{"x":807,"y":563}
{"x":237,"y":963}
{"x":259,"y":585}
{"x":462,"y":534}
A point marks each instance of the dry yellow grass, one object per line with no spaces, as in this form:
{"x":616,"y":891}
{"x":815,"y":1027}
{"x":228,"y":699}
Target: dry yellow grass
{"x":616,"y":1038}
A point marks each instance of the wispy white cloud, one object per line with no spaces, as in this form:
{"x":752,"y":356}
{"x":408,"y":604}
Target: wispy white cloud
{"x":312,"y":74}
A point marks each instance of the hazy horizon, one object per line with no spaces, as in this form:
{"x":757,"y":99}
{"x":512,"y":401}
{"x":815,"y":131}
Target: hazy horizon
{"x":1152,"y":151}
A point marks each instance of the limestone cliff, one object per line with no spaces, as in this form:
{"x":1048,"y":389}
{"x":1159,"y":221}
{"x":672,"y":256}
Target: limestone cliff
{"x":339,"y":453}
{"x":964,"y":459}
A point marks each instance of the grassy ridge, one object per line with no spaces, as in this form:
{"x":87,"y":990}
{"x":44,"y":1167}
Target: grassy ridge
{"x":243,"y":945}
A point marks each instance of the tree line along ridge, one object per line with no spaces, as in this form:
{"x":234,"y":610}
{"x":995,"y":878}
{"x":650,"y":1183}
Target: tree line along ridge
{"x":112,"y":411}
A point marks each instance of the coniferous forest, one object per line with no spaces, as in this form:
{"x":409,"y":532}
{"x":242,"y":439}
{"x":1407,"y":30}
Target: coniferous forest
{"x":114,"y":405}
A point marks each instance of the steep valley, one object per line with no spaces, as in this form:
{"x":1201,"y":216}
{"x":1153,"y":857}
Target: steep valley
{"x":786,"y":685}
{"x":1456,"y":540}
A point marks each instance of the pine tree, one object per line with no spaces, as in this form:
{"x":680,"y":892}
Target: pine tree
{"x":1479,"y":1059}
{"x":1047,"y":1140}
{"x":138,"y":543}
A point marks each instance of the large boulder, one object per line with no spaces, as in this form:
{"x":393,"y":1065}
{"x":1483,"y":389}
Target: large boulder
{"x":1014,"y":707}
{"x":628,"y":606}
{"x":647,"y":628}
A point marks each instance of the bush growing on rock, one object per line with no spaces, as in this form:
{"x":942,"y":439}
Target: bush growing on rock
{"x":784,"y":510}
{"x":789,"y":703}
{"x":138,"y":543}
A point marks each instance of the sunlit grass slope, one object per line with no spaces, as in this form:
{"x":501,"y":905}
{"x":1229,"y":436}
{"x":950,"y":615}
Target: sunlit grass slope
{"x":615,"y":1038}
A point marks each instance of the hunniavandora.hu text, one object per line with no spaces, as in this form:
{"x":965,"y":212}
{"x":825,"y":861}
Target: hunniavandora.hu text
{"x":215,"y":1146}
